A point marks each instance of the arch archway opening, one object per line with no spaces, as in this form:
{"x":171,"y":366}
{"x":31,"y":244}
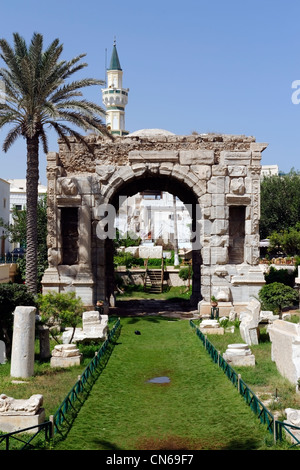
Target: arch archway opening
{"x":151,"y":190}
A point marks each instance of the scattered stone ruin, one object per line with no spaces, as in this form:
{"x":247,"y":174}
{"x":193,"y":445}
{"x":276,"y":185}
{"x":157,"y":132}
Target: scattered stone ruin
{"x":216,"y":176}
{"x":285,"y":352}
{"x":211,"y":327}
{"x":12,"y":406}
{"x":250,"y":318}
{"x":293,"y":419}
{"x":94,"y":328}
{"x":239,"y":354}
{"x":65,"y":355}
{"x":16,"y":414}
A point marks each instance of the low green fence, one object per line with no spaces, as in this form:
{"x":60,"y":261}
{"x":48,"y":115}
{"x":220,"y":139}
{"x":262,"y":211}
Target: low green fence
{"x":75,"y":396}
{"x":277,"y":428}
{"x":23,"y":441}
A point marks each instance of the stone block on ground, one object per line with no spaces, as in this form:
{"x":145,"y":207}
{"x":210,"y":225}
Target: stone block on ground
{"x":250,"y":318}
{"x":285,"y":350}
{"x":22,"y":356}
{"x":65,"y":355}
{"x":16,"y":414}
{"x":94,"y":328}
{"x":17,"y":422}
{"x":293,"y":418}
{"x":211,"y":327}
{"x":239,"y":354}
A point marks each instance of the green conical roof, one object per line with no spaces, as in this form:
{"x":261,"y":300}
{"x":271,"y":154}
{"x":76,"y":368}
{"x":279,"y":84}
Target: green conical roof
{"x":114,"y":61}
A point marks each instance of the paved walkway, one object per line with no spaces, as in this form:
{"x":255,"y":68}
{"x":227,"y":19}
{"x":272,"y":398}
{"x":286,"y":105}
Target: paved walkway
{"x":175,"y":309}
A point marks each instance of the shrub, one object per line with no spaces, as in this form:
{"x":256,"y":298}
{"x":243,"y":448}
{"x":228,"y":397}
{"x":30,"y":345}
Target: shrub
{"x":60,"y":309}
{"x":286,"y":241}
{"x":154,"y":262}
{"x":128,"y":260}
{"x":185,"y":273}
{"x":276,"y":296}
{"x":284,"y":276}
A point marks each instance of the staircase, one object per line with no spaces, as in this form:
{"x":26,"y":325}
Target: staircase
{"x":153,"y":281}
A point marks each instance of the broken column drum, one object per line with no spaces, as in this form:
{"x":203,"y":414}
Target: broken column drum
{"x":216,"y":176}
{"x":22,"y":356}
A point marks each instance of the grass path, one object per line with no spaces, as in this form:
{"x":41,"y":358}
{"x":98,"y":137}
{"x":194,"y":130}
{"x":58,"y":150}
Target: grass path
{"x":198,"y":409}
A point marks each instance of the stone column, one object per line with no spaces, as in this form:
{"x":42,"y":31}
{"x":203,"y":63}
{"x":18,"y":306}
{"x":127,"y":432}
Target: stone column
{"x":22,"y":356}
{"x":44,"y":336}
{"x":85,"y":237}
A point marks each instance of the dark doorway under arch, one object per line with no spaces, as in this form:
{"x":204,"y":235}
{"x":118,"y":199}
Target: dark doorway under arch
{"x":188,"y":197}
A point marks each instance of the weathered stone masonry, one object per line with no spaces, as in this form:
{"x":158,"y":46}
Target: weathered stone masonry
{"x":218,"y":173}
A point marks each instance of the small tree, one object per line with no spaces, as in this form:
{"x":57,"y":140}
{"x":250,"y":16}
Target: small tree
{"x":276,"y":296}
{"x":286,"y":242}
{"x":186,"y":274}
{"x":61,"y":310}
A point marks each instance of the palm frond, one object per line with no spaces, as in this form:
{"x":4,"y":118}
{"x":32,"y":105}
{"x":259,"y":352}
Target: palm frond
{"x":63,"y":132}
{"x":44,"y":140}
{"x":11,"y":137}
{"x":20,"y":46}
{"x":37,"y":91}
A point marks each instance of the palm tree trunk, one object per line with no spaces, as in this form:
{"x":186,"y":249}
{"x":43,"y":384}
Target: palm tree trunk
{"x":32,"y":181}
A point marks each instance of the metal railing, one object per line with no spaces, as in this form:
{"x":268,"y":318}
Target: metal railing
{"x":9,"y":259}
{"x":278,"y":429}
{"x":17,"y":436}
{"x":75,"y":395}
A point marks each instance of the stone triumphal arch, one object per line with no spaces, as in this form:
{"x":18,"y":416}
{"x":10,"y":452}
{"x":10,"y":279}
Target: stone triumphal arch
{"x":216,"y":176}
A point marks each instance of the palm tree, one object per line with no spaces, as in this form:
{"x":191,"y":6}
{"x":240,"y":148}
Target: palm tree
{"x":37,"y":96}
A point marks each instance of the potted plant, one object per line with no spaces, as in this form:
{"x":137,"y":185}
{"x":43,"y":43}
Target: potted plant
{"x":213,"y":301}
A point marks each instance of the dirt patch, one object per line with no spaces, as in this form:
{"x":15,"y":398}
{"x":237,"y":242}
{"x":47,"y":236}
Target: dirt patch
{"x":176,"y":443}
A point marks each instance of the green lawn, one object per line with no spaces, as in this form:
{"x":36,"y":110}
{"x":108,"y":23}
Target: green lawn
{"x":264,"y":379}
{"x":169,"y":293}
{"x":198,"y":409}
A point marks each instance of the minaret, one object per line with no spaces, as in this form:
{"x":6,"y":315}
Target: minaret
{"x":115,"y":97}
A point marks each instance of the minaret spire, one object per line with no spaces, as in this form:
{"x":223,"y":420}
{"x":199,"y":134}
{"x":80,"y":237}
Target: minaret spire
{"x":115,"y":97}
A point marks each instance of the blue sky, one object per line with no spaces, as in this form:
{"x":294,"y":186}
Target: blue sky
{"x":193,"y":65}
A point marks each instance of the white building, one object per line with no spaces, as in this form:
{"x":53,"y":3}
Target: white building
{"x":269,"y":170}
{"x":18,"y":194}
{"x":18,"y":197}
{"x":4,"y":215}
{"x":150,"y":215}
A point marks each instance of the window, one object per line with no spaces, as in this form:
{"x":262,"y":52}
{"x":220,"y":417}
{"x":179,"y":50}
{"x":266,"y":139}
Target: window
{"x":236,"y":234}
{"x":69,"y":235}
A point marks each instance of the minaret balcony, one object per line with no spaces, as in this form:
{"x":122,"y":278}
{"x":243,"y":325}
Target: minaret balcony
{"x":115,"y":97}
